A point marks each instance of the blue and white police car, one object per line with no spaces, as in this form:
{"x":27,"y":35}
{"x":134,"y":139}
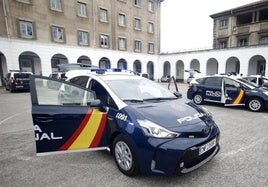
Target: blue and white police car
{"x":228,"y":90}
{"x":147,"y":128}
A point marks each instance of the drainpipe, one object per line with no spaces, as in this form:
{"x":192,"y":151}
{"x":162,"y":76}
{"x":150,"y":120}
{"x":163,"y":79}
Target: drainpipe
{"x":6,"y":21}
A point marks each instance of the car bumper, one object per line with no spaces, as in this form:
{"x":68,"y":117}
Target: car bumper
{"x":178,"y":156}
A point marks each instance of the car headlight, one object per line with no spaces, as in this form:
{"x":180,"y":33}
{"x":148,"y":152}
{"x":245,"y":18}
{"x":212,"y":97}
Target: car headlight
{"x":266,"y":93}
{"x":151,"y":129}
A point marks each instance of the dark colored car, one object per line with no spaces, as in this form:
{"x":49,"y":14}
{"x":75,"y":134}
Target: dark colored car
{"x":228,"y":90}
{"x":18,"y":80}
{"x":145,"y":126}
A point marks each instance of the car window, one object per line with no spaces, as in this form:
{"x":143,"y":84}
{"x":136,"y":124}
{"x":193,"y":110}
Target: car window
{"x":21,"y":76}
{"x":229,"y":83}
{"x":138,"y":89}
{"x":65,"y":94}
{"x":81,"y":80}
{"x":213,"y":81}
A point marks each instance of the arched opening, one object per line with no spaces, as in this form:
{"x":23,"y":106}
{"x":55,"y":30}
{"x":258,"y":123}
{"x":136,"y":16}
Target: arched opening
{"x":212,"y":66}
{"x":56,"y":60}
{"x":84,"y":60}
{"x":232,"y":65}
{"x":122,"y":64}
{"x":166,"y":71}
{"x":137,"y":66}
{"x":195,"y":65}
{"x":3,"y":69}
{"x":150,"y":70}
{"x":180,"y":71}
{"x":257,"y":65}
{"x":30,"y":61}
{"x":104,"y":63}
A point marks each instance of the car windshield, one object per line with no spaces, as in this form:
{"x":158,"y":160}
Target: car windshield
{"x":139,"y":90}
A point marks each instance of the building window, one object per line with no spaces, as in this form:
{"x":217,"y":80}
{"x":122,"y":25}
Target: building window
{"x":137,"y":46}
{"x":151,"y":6}
{"x":56,"y":4}
{"x":104,"y":41}
{"x":57,"y":34}
{"x":242,"y":42}
{"x":122,"y":43}
{"x":223,"y":24}
{"x":122,"y":19}
{"x":137,"y":3}
{"x":264,"y":40}
{"x":150,"y":27}
{"x":83,"y":38}
{"x":82,"y":9}
{"x":26,"y":29}
{"x":150,"y":48}
{"x":103,"y":15}
{"x":222,"y":44}
{"x":137,"y":24}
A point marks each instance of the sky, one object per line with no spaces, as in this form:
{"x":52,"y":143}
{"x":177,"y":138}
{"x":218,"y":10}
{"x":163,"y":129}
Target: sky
{"x":187,"y":25}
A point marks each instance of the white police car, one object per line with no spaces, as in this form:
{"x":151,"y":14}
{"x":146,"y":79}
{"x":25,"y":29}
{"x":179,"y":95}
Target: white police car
{"x":147,"y":128}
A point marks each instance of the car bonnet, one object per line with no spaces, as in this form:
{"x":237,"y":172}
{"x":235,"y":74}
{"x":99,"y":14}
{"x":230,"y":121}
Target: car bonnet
{"x":172,"y":114}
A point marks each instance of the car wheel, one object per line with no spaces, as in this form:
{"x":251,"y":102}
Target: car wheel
{"x":255,"y":104}
{"x":125,"y":156}
{"x":198,"y":99}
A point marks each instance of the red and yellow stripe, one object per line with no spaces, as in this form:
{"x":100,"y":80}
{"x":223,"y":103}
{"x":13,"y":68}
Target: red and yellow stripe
{"x":239,"y":97}
{"x":89,"y":132}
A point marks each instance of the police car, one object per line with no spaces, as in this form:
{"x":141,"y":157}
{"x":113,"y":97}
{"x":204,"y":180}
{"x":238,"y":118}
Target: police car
{"x":147,"y":128}
{"x":228,"y":90}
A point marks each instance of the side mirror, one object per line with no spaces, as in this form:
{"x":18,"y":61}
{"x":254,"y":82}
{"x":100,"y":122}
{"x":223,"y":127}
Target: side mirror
{"x":177,"y":94}
{"x":98,"y":104}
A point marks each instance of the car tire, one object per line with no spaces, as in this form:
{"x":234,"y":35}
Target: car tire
{"x":124,"y":156}
{"x":198,"y":99}
{"x":255,"y":104}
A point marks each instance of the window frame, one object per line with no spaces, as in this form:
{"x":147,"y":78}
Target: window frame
{"x":137,"y":3}
{"x":120,"y":47}
{"x":139,"y":46}
{"x":26,"y":24}
{"x":103,"y":12}
{"x":151,"y":27}
{"x":137,"y":23}
{"x":57,"y":39}
{"x":82,"y":9}
{"x":151,"y":48}
{"x":107,"y":43}
{"x":82,"y":42}
{"x":120,"y":22}
{"x":151,"y":6}
{"x":223,"y":24}
{"x":58,"y":5}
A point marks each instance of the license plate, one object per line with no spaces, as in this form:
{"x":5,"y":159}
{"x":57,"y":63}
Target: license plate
{"x":207,"y":146}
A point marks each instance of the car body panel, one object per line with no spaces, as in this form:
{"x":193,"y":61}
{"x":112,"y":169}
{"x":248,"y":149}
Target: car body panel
{"x":68,"y":119}
{"x":232,"y":91}
{"x":17,"y":80}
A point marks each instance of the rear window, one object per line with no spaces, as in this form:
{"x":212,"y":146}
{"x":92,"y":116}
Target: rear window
{"x":22,"y":76}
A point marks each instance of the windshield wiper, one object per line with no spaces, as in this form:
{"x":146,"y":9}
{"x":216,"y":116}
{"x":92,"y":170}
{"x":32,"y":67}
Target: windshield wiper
{"x":133,"y":100}
{"x":160,"y":98}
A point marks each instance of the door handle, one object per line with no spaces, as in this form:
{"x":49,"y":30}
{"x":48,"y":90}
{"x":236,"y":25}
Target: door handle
{"x":44,"y":119}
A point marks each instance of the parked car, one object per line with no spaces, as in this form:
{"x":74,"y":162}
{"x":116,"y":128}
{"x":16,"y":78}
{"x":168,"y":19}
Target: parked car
{"x":146,"y":127}
{"x":228,"y":90}
{"x":17,"y":80}
{"x":258,"y":79}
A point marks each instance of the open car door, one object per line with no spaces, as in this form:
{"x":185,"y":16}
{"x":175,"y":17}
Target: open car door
{"x":66,"y":117}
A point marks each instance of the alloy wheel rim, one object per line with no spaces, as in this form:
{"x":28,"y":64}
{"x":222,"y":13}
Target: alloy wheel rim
{"x":255,"y":105}
{"x":123,"y":155}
